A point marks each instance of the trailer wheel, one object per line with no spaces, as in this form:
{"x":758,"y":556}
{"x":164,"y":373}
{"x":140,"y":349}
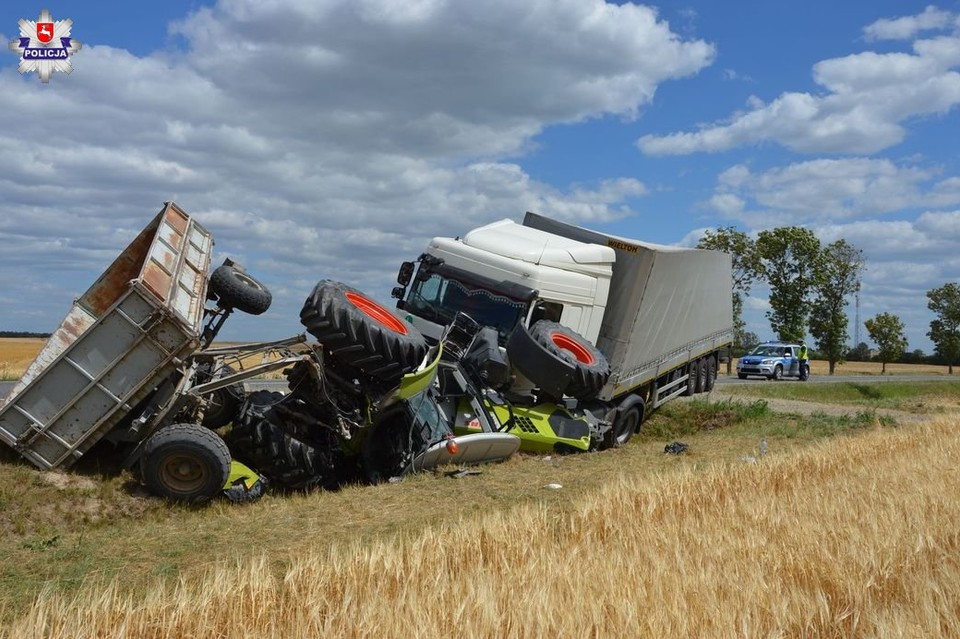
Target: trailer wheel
{"x":693,"y":378}
{"x":359,"y":332}
{"x":185,"y":462}
{"x":234,"y":288}
{"x":590,"y":367}
{"x":711,"y":377}
{"x":701,"y":375}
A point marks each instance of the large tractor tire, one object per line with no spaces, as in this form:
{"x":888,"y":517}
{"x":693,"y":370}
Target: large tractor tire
{"x":234,"y":288}
{"x":590,"y":367}
{"x":357,"y":331}
{"x":185,"y":462}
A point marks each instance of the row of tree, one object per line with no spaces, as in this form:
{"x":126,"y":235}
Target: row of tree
{"x":810,"y":285}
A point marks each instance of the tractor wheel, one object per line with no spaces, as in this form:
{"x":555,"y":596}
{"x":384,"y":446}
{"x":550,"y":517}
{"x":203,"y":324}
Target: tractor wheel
{"x":185,"y":462}
{"x":590,"y":367}
{"x":361,"y":333}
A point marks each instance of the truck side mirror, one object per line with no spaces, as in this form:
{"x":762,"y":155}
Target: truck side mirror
{"x":398,"y":291}
{"x":406,"y":272}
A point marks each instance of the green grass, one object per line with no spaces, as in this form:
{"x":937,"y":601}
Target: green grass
{"x":923,"y":397}
{"x":62,"y":529}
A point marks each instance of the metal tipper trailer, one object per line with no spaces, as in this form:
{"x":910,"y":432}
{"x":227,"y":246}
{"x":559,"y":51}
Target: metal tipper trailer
{"x":124,"y":363}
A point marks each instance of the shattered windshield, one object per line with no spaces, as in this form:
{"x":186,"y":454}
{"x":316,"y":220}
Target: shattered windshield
{"x":439,"y":299}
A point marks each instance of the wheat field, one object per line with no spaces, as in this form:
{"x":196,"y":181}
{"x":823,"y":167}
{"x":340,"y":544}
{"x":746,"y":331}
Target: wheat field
{"x":851,"y":538}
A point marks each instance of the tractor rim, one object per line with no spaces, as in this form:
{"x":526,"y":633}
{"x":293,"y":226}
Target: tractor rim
{"x":574,"y":347}
{"x":373,"y":310}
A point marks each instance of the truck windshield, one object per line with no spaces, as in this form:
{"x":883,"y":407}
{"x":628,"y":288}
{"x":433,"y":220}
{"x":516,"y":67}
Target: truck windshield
{"x":439,"y":299}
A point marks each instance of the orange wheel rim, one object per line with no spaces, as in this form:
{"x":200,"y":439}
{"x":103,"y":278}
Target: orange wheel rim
{"x":566,"y":343}
{"x":374,"y":311}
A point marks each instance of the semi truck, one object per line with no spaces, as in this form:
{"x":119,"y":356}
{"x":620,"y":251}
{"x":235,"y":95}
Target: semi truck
{"x":606,"y":326}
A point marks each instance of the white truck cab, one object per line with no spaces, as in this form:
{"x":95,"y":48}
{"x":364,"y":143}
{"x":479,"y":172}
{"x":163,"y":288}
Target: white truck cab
{"x":504,"y":272}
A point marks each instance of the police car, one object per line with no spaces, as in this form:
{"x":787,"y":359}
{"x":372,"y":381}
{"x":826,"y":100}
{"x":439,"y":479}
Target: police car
{"x":773,"y":360}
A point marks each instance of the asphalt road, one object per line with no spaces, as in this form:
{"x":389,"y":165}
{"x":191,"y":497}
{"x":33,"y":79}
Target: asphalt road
{"x":279,"y":385}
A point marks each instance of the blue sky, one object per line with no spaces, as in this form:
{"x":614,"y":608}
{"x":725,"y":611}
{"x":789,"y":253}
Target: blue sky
{"x":330,"y":139}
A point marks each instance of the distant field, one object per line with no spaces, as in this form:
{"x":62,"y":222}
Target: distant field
{"x":16,"y":353}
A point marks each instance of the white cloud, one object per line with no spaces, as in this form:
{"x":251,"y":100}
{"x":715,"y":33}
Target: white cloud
{"x":867,"y":97}
{"x":317,"y":139}
{"x":828,"y":189}
{"x":907,"y":27}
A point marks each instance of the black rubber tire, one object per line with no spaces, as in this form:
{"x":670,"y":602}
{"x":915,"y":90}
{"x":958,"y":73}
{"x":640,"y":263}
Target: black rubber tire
{"x":223,"y":404}
{"x":548,"y":371}
{"x":591,"y":370}
{"x":626,"y":422}
{"x":693,"y":378}
{"x":777,"y":373}
{"x":185,"y":462}
{"x":701,"y":374}
{"x":742,"y":375}
{"x":359,"y":332}
{"x":236,"y":289}
{"x":711,"y":377}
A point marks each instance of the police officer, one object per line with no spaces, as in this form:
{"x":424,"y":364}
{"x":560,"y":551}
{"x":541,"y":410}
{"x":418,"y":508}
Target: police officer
{"x":803,"y":356}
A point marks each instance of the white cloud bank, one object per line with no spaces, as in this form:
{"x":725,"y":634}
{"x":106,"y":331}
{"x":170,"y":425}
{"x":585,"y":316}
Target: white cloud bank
{"x":316,"y":139}
{"x":866,"y":98}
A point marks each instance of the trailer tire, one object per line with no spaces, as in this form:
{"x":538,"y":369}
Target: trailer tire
{"x":711,"y":377}
{"x":185,"y":462}
{"x":693,"y":378}
{"x":361,"y":333}
{"x":701,"y":375}
{"x":234,"y":288}
{"x":591,"y":370}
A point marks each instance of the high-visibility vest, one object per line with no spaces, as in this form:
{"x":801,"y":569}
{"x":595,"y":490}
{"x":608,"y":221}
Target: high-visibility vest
{"x":803,"y":352}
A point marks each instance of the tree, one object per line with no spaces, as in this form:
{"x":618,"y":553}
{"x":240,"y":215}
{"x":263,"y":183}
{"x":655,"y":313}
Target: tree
{"x":888,"y":332}
{"x":860,"y":353}
{"x":789,"y":256}
{"x":745,"y":267}
{"x":945,"y":330}
{"x":836,"y":278}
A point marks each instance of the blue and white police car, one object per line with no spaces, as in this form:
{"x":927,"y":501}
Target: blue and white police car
{"x":773,"y":360}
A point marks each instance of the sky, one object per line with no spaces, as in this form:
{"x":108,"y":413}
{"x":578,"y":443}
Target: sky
{"x":330,"y":139}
